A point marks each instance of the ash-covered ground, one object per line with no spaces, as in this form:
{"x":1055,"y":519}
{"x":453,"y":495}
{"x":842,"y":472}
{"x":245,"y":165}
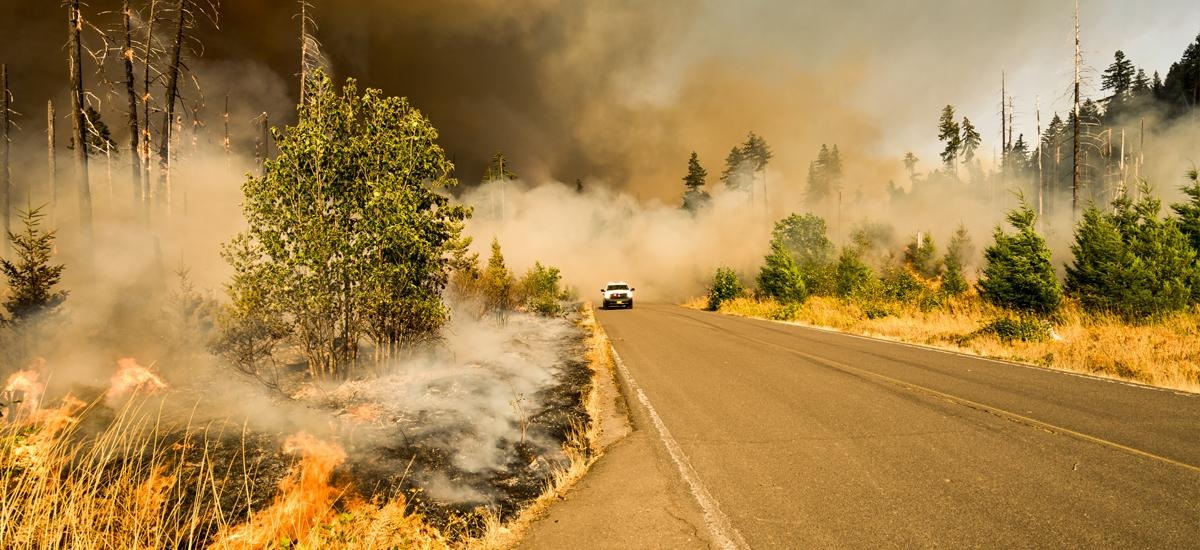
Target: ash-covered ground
{"x":478,"y":422}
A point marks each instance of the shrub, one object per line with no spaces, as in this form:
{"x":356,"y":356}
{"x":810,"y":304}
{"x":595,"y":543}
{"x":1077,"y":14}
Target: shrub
{"x":958,"y":254}
{"x":1024,"y":329}
{"x":921,"y":256}
{"x":1131,"y":262}
{"x":1017,"y":274}
{"x":901,"y":285}
{"x":540,"y":287}
{"x":804,"y":237}
{"x":852,"y":276}
{"x":780,"y":277}
{"x":787,"y":312}
{"x":725,"y":286}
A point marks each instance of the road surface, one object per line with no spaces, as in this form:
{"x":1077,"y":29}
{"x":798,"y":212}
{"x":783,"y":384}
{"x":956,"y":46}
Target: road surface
{"x":775,"y":436}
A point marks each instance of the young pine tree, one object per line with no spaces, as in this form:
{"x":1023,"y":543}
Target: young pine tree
{"x":695,"y":197}
{"x":958,"y":253}
{"x":780,"y":277}
{"x":921,"y":256}
{"x":1131,"y":262}
{"x":1017,"y":273}
{"x":497,"y":283}
{"x":31,"y":276}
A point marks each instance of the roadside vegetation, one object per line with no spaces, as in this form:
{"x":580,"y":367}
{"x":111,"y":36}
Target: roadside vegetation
{"x":1128,"y":306}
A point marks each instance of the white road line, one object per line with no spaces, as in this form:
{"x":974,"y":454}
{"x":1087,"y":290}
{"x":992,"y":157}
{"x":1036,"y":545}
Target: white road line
{"x":723,"y":533}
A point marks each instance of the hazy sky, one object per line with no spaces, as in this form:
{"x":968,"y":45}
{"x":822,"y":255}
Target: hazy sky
{"x":623,"y":90}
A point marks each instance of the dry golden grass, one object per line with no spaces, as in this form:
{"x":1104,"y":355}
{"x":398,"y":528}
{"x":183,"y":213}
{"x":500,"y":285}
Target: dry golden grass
{"x":133,"y":486}
{"x":1165,"y":353}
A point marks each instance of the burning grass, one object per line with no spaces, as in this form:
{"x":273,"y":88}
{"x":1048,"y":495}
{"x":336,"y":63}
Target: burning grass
{"x":1165,"y":353}
{"x":120,"y":467}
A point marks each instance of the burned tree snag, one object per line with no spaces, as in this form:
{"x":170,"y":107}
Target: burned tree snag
{"x":148,"y":52}
{"x":1076,"y":144}
{"x":135,"y":166}
{"x":51,"y":162}
{"x":164,"y":146}
{"x":78,"y":125}
{"x":5,"y":172}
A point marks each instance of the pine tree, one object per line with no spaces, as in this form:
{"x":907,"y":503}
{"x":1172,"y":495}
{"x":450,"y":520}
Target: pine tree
{"x":736,"y":175}
{"x":1017,"y":273}
{"x":780,"y":277}
{"x":970,"y":140}
{"x":824,"y":175}
{"x":497,"y":283}
{"x":921,"y":256}
{"x":948,"y":133}
{"x":1119,"y":77}
{"x":910,"y":165}
{"x":1132,"y":262}
{"x":851,"y":276}
{"x":958,"y":254}
{"x":31,"y":276}
{"x":1189,"y":222}
{"x":1141,"y":83}
{"x":578,"y":186}
{"x":694,"y":196}
{"x":1181,"y":87}
{"x":498,"y":169}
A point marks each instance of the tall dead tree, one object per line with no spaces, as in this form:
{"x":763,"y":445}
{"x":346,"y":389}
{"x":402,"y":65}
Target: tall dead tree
{"x":135,"y":166}
{"x":225,"y":140}
{"x":1041,"y":181}
{"x":172,"y":92}
{"x":311,"y":57}
{"x":1003,"y":120}
{"x":261,"y":149}
{"x":78,"y":124}
{"x":147,"y":56}
{"x":1076,"y":145}
{"x":51,"y":163}
{"x":5,"y":172}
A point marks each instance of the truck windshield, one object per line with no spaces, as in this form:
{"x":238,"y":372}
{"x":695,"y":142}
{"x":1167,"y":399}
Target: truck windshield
{"x":618,"y":287}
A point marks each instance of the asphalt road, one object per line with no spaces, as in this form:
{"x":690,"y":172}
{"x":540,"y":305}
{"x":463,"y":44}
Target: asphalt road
{"x":788,"y":437}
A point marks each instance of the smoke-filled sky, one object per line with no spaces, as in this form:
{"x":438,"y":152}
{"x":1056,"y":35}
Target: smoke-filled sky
{"x":620,"y":92}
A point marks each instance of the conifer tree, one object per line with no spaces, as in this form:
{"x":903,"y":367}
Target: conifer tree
{"x":958,"y":253}
{"x":910,"y":165}
{"x":694,"y":195}
{"x":1017,"y":273}
{"x":498,"y":169}
{"x":1131,"y":262}
{"x":948,"y":133}
{"x":970,"y":140}
{"x":1189,"y":222}
{"x":31,"y":277}
{"x":921,"y":256}
{"x":736,"y":175}
{"x":780,"y":277}
{"x":1119,"y":77}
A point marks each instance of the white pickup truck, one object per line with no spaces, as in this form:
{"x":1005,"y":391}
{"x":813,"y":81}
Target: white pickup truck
{"x":617,"y":294}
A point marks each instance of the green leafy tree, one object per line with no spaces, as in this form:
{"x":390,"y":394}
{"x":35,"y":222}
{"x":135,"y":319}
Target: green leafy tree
{"x":694,"y":195}
{"x":31,"y":275}
{"x":1017,"y":272}
{"x":725,"y":286}
{"x":970,"y":140}
{"x":780,"y":277}
{"x":949,"y":134}
{"x":348,"y":235}
{"x":958,"y":254}
{"x":921,"y":256}
{"x":1132,"y":262}
{"x":804,"y":237}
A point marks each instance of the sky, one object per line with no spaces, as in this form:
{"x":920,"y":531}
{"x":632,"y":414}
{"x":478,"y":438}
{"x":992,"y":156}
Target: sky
{"x":619,"y":93}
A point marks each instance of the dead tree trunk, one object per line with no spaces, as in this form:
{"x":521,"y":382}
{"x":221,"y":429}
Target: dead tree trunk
{"x":263,"y":146}
{"x":225,"y":140}
{"x":51,"y":163}
{"x":135,"y":166}
{"x":146,"y":132}
{"x":164,"y":147}
{"x":78,"y":126}
{"x":5,"y":173}
{"x":1076,"y":145}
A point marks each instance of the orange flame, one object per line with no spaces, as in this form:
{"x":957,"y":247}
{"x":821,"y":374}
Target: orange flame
{"x":132,"y":377}
{"x":26,"y":389}
{"x":305,"y":497}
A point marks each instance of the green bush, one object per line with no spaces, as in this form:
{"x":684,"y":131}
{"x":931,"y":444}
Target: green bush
{"x":1024,"y":329}
{"x":540,"y":287}
{"x":852,"y":276}
{"x":1017,"y":274}
{"x":780,"y":276}
{"x":921,"y":256}
{"x":725,"y":286}
{"x":901,"y":285}
{"x":1131,"y":262}
{"x":787,"y":312}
